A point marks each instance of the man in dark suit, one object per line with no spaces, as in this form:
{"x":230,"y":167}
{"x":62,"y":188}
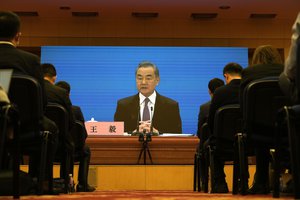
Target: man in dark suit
{"x":82,"y":149}
{"x":11,"y":57}
{"x":213,"y":84}
{"x":59,"y":96}
{"x":56,"y":94}
{"x":23,"y":63}
{"x":163,"y":112}
{"x":224,"y":95}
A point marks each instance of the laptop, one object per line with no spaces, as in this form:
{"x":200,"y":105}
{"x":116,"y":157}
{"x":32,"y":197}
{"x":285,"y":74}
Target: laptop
{"x":5,"y":78}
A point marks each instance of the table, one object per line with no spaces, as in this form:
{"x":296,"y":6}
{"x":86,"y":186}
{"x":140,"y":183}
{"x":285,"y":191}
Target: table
{"x":125,"y":150}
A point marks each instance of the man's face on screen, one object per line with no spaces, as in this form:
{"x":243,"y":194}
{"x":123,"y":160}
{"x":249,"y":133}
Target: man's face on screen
{"x":146,"y":80}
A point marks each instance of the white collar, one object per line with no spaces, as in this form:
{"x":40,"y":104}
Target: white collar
{"x":152,"y":98}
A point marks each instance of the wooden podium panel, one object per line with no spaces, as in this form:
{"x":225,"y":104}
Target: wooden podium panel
{"x":125,"y":150}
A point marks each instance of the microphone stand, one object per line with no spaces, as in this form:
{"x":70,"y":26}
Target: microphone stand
{"x":145,"y":148}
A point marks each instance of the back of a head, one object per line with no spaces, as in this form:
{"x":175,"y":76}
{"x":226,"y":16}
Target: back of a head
{"x":48,"y":70}
{"x":214,"y":83}
{"x":233,"y":69}
{"x":266,"y":54}
{"x":9,"y":25}
{"x":65,"y":85}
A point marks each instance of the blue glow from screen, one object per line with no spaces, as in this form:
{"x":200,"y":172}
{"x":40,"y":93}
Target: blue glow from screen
{"x":100,"y":75}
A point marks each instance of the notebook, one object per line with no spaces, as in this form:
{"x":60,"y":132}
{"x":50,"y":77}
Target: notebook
{"x":5,"y":78}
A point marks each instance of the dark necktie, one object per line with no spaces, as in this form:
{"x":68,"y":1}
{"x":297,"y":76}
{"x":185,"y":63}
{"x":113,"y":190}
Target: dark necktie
{"x":146,"y":114}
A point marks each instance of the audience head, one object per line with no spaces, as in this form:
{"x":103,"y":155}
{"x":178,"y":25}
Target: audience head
{"x":266,"y":54}
{"x":213,"y":84}
{"x":65,"y":85}
{"x":147,"y":78}
{"x":9,"y":27}
{"x":49,"y":72}
{"x":232,"y":71}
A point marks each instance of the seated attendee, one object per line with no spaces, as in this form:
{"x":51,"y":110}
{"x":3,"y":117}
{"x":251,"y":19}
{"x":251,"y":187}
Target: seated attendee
{"x":59,"y":96}
{"x":224,"y":95}
{"x":24,"y":63}
{"x":76,"y":109}
{"x":83,"y":150}
{"x":213,"y":84}
{"x":148,"y":108}
{"x":287,"y":80}
{"x":266,"y":62}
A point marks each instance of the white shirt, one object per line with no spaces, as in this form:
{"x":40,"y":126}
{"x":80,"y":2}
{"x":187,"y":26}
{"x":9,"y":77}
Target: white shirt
{"x":151,"y":104}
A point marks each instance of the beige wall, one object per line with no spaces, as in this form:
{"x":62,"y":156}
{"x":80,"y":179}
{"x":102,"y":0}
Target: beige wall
{"x":155,"y":32}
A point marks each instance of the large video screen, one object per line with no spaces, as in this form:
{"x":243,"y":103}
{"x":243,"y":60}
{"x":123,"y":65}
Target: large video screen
{"x":100,"y":75}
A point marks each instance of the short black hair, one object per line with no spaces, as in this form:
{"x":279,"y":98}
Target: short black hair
{"x":65,"y":85}
{"x":9,"y":25}
{"x":214,"y":83}
{"x":48,"y":70}
{"x":233,"y":68}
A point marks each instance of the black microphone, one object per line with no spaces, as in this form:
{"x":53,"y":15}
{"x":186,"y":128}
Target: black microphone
{"x":141,"y":137}
{"x":151,"y":125}
{"x":138,"y":120}
{"x":137,"y":131}
{"x":148,"y":137}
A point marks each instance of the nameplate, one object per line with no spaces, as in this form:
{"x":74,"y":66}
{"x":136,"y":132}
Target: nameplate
{"x":104,"y":128}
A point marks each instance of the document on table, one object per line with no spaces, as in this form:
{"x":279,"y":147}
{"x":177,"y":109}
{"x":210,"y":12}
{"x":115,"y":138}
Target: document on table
{"x":175,"y":135}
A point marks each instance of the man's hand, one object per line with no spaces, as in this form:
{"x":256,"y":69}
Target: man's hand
{"x":146,"y":125}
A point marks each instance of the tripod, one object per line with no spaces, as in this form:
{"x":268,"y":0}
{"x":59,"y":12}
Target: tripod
{"x":145,"y":148}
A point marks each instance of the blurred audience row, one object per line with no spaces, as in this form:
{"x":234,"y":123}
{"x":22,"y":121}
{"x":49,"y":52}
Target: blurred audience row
{"x":27,"y":64}
{"x":266,"y":62}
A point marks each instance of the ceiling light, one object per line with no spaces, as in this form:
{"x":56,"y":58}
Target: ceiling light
{"x":65,"y":8}
{"x":262,"y":16}
{"x":85,"y":14}
{"x":27,"y":13}
{"x":145,"y":14}
{"x":224,"y":7}
{"x":204,"y":15}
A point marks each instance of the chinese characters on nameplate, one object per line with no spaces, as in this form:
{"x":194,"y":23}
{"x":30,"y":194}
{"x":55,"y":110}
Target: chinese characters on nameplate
{"x":104,"y":128}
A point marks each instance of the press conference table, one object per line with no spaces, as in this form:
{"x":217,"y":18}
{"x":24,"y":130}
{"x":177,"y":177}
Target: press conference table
{"x":125,"y":150}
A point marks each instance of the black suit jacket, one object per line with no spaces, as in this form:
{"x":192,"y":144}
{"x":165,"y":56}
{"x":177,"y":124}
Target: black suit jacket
{"x":59,"y":95}
{"x":166,"y":117}
{"x":22,"y":62}
{"x":79,"y":117}
{"x":224,"y":95}
{"x":203,"y":116}
{"x":77,"y":113}
{"x":257,"y":72}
